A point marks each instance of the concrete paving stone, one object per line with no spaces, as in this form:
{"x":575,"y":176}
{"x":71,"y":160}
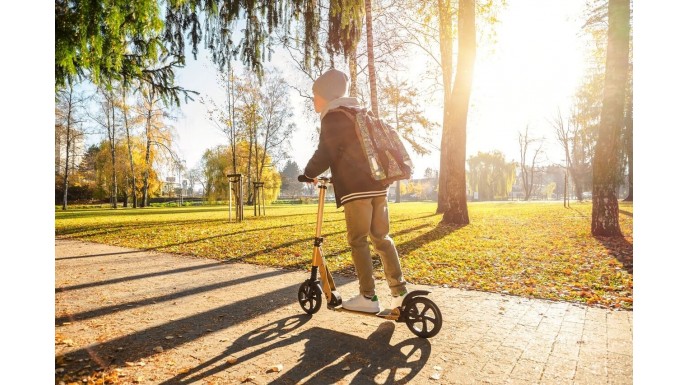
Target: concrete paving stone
{"x":619,"y":346}
{"x":532,"y":318}
{"x":617,"y":364}
{"x":572,"y":327}
{"x":528,"y":370}
{"x":519,"y":342}
{"x":555,"y":381}
{"x":537,"y":351}
{"x":559,"y":367}
{"x":597,"y":315}
{"x":517,"y":381}
{"x":566,"y":350}
{"x":620,"y":379}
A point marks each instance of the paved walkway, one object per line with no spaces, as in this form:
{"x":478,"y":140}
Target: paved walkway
{"x":165,"y":319}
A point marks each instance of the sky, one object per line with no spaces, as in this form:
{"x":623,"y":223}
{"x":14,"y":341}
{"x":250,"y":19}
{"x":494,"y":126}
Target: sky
{"x":532,"y":69}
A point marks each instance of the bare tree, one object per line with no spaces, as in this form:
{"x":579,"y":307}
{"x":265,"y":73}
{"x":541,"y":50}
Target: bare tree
{"x":107,"y":121}
{"x":127,"y":130}
{"x":276,"y":128}
{"x":564,"y":135}
{"x":149,"y":109}
{"x":68,"y":110}
{"x":528,"y":171}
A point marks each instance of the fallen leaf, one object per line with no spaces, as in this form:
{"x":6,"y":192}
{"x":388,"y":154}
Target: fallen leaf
{"x":158,"y":349}
{"x":346,"y":368}
{"x":169,"y":337}
{"x":277,"y":368}
{"x":435,"y":376}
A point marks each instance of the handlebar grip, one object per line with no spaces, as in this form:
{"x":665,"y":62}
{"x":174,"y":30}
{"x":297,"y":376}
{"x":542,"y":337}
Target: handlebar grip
{"x":303,"y":178}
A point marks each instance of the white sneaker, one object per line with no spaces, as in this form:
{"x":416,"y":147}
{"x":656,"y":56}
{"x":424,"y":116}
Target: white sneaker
{"x":398,"y":300}
{"x":361,"y":303}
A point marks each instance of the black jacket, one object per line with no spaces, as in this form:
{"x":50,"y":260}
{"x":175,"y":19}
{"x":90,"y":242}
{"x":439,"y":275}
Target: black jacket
{"x":340,"y":150}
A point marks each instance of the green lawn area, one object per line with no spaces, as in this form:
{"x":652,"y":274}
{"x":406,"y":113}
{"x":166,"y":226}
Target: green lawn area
{"x":531,"y":249}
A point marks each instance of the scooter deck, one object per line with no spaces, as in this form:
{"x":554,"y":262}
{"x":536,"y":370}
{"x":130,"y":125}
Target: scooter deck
{"x":390,"y":314}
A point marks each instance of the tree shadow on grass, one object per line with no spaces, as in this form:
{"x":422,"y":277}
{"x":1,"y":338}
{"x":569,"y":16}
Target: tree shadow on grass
{"x":367,"y":357}
{"x":626,"y":213}
{"x":619,"y":248}
{"x":438,"y":232}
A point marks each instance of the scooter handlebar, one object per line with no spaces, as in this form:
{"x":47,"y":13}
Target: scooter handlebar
{"x":303,"y":178}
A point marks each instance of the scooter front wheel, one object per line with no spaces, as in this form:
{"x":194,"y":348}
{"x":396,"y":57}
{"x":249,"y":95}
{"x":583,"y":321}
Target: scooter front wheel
{"x":309,"y":298}
{"x":423,"y":317}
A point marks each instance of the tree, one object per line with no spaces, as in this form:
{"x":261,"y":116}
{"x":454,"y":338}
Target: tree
{"x":275,"y":128}
{"x":68,"y":110}
{"x":563,"y":133}
{"x":401,"y":109}
{"x":628,"y":140}
{"x":124,"y":107}
{"x":223,"y":115}
{"x":452,"y":184}
{"x":215,"y":166}
{"x":156,"y":133}
{"x":107,"y":120}
{"x":528,"y":171}
{"x":116,"y":41}
{"x":289,"y":174}
{"x":605,"y":212}
{"x":490,"y":175}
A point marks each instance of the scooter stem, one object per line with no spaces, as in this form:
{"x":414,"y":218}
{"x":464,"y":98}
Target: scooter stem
{"x":321,"y":206}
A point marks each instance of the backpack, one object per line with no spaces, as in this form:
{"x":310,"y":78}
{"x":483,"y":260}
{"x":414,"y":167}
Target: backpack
{"x":388,"y":160}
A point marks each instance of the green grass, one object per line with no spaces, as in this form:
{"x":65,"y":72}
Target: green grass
{"x":539,"y":250}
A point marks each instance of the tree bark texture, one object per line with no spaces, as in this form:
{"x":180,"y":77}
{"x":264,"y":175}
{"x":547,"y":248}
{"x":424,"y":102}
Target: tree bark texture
{"x":605,"y":205}
{"x":65,"y":184}
{"x":131,"y":153}
{"x":371,"y":57}
{"x":457,"y":210}
{"x":445,"y":25}
{"x":629,"y":146}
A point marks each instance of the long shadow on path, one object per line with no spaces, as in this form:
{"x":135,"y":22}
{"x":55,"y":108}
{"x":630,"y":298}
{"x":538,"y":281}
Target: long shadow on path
{"x":135,"y":346}
{"x":162,"y":298}
{"x":367,"y":357}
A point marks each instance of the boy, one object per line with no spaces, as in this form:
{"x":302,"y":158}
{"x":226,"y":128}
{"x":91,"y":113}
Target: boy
{"x":363,"y":198}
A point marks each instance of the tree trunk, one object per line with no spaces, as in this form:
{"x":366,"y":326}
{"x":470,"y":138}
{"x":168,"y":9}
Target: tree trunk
{"x":111,"y":132}
{"x":629,"y":146}
{"x":131,"y":155}
{"x":353,"y":73}
{"x":146,"y":171}
{"x":457,"y":212}
{"x":605,"y":205}
{"x":371,"y":57}
{"x":445,"y":24}
{"x":65,"y":184}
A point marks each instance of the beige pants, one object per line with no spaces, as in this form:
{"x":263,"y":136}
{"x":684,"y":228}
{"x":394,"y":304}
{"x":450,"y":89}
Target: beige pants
{"x":370,"y":217}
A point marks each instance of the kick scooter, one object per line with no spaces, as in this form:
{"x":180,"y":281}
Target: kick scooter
{"x":420,"y":314}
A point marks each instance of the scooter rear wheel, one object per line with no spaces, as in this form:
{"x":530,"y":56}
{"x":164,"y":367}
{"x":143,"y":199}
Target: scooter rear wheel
{"x":309,"y":298}
{"x":423,"y":317}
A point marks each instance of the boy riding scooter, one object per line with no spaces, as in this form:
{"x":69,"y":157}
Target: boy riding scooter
{"x":364,"y":199}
